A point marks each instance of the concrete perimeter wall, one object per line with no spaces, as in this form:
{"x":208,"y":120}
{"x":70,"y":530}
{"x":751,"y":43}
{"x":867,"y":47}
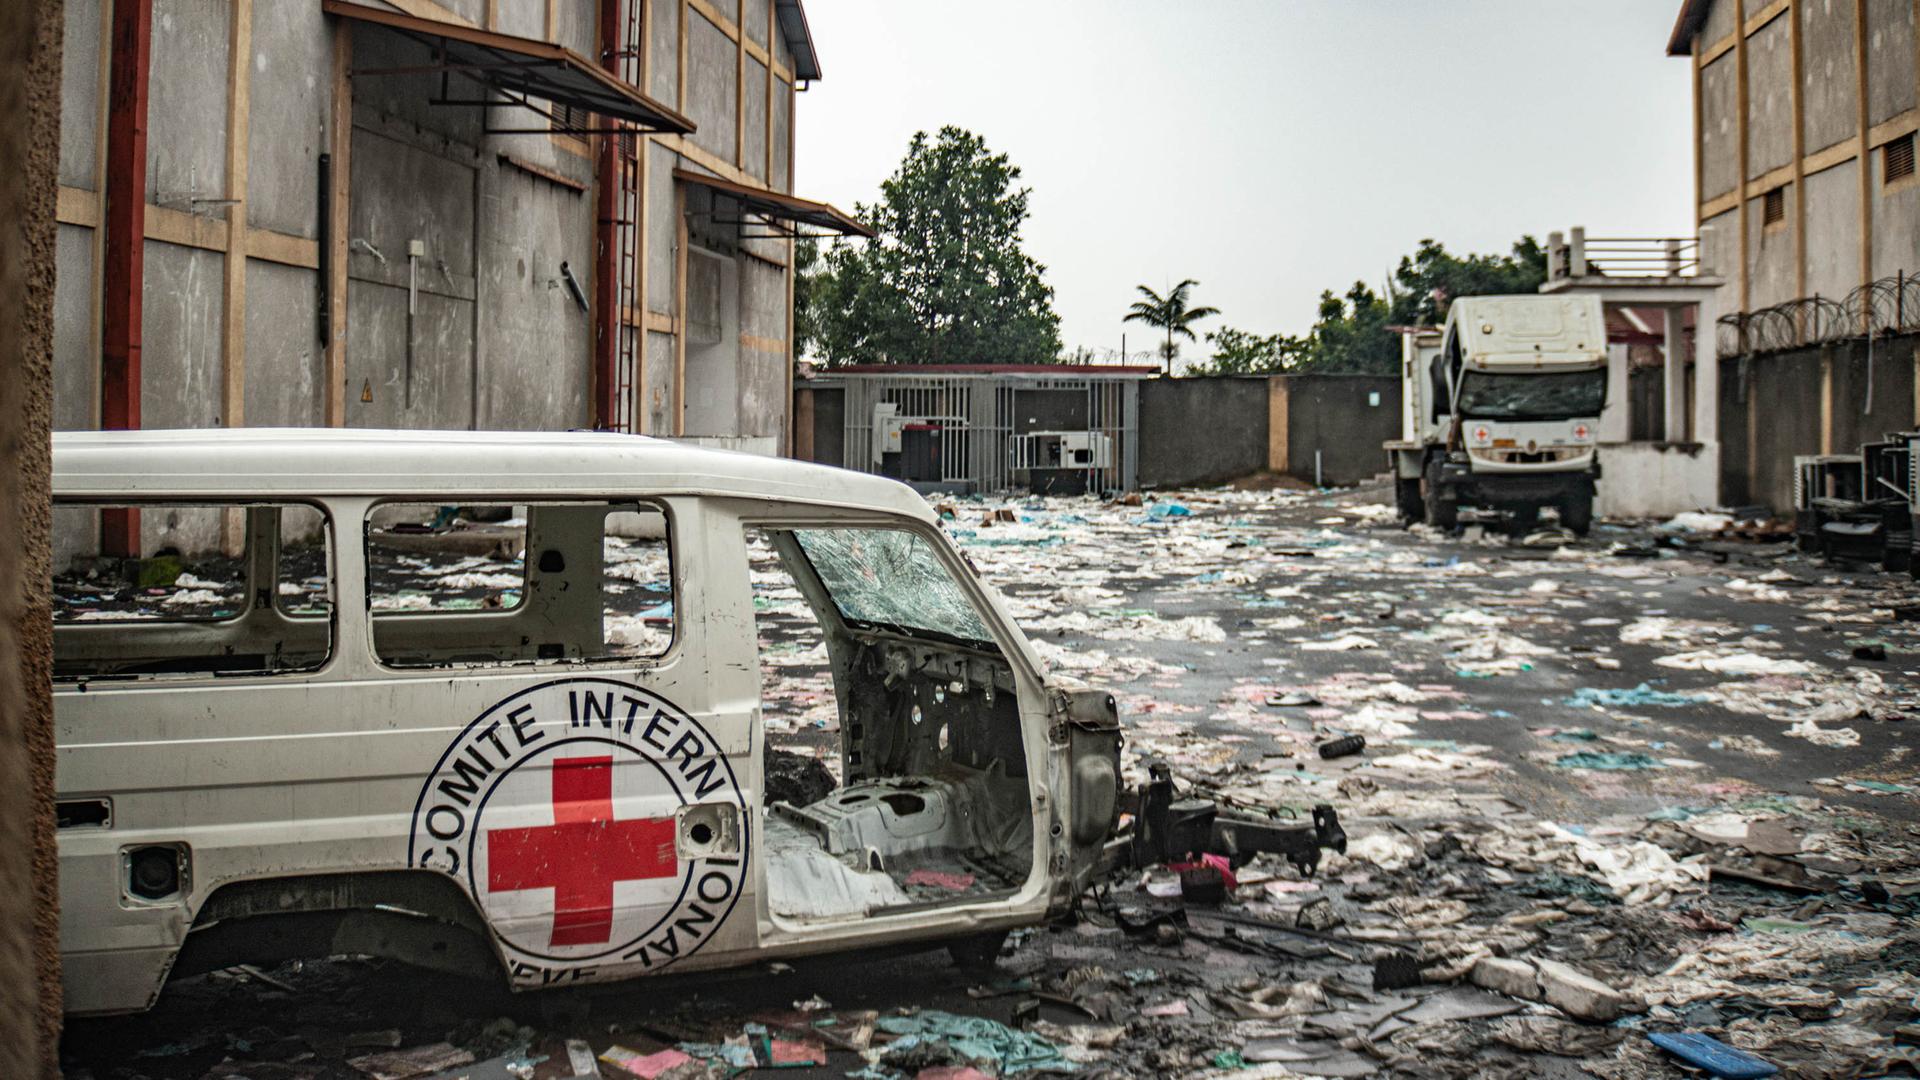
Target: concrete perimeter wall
{"x":820,"y":424}
{"x":1204,"y":430}
{"x":1343,"y":418}
{"x":1771,"y":411}
{"x":1209,"y":430}
{"x":1201,"y":431}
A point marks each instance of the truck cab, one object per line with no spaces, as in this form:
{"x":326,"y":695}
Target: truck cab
{"x":1502,"y":411}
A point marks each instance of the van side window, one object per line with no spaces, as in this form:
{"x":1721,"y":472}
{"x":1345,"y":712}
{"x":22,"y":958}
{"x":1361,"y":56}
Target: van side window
{"x":518,"y":583}
{"x":227,"y":589}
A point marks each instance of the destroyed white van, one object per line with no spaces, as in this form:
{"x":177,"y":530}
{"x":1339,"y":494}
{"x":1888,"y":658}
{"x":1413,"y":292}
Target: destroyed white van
{"x":502,"y":703}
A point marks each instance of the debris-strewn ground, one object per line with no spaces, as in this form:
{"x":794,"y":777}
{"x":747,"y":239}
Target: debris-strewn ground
{"x":1643,"y":783}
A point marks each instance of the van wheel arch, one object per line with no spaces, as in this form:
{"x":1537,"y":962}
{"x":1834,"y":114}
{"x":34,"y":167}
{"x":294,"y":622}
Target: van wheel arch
{"x":417,"y":917}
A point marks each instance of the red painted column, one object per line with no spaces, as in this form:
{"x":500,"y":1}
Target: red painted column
{"x":606,"y":239}
{"x":126,"y":227}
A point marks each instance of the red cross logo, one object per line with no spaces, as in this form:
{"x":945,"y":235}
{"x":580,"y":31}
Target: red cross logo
{"x":583,"y":853}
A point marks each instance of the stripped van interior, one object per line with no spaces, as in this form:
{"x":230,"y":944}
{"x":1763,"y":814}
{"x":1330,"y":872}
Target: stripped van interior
{"x":896,"y":773}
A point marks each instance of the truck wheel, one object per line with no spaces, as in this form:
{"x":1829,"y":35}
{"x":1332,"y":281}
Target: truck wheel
{"x":1443,"y":512}
{"x":1576,"y":514}
{"x":1406,"y":496}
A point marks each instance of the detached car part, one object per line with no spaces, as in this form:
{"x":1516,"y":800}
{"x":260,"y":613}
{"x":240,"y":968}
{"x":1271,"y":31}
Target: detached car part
{"x":1166,"y":829}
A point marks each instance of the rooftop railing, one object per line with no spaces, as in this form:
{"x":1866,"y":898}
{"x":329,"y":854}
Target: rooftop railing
{"x":1577,"y":255}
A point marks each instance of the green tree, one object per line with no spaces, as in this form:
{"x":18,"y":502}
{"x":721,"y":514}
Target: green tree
{"x":1170,"y":313}
{"x":806,"y":283}
{"x":1351,"y":332}
{"x":1242,"y":352}
{"x":944,"y":281}
{"x":1432,"y":277}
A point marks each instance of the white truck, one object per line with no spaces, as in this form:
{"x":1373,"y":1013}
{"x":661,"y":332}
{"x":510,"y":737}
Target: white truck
{"x":1500,"y":411}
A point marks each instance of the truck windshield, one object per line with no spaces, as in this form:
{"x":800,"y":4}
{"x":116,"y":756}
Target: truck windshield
{"x":1557,"y":396}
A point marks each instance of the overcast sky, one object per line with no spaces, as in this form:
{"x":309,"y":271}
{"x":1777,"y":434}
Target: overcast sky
{"x":1268,"y":148}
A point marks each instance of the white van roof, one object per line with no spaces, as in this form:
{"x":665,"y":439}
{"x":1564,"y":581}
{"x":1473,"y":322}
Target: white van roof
{"x":223,"y":462}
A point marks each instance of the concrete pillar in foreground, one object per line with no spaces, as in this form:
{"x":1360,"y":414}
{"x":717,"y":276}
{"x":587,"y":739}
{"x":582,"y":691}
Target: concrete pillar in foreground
{"x":30,"y":33}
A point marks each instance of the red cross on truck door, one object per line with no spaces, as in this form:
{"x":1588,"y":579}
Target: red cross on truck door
{"x":583,"y":854}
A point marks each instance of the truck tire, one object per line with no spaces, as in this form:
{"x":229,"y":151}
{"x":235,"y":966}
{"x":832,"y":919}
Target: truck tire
{"x":1576,"y":513}
{"x":1443,"y":511}
{"x":1406,"y":497}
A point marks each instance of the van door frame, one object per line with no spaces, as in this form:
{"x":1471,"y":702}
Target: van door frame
{"x":1030,"y":902}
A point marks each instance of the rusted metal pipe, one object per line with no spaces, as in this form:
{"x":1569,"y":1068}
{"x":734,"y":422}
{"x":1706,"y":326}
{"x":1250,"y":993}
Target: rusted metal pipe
{"x":606,"y":238}
{"x":123,"y":266}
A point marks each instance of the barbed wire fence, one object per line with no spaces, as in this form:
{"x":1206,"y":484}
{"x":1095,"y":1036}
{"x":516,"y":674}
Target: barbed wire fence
{"x":1890,"y":305}
{"x":1876,"y":310}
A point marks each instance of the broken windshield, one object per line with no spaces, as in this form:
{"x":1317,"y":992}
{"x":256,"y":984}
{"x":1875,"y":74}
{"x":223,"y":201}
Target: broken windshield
{"x":1556,"y":396}
{"x":892,"y":579}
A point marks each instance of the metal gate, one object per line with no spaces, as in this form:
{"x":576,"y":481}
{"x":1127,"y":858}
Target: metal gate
{"x":979,"y":431}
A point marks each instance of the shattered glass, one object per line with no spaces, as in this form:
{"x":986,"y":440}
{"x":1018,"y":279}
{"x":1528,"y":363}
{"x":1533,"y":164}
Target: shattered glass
{"x":891,"y":578}
{"x":1535,"y":396}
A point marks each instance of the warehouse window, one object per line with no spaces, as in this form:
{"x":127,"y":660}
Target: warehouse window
{"x":1896,"y":159}
{"x":1773,"y":206}
{"x":570,"y":119}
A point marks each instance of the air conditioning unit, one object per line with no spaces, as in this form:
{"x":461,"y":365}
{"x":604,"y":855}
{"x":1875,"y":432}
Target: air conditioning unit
{"x":887,"y":426}
{"x":1063,"y":450}
{"x":1086,"y":450}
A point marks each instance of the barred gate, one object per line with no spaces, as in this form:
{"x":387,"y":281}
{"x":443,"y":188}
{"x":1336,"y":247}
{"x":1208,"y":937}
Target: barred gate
{"x":972,"y":421}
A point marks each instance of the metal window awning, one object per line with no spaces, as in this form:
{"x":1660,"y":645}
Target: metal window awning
{"x":785,"y":214}
{"x":517,"y":68}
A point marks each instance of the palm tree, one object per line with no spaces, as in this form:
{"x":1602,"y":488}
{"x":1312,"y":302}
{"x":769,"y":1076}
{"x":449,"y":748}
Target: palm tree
{"x":1171,"y":313}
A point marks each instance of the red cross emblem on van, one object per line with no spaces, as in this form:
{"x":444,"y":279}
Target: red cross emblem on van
{"x":582,"y":854}
{"x":560,"y":810}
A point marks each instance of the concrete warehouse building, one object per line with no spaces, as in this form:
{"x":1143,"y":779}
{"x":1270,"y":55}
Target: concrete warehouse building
{"x":486,"y":214}
{"x":1804,"y":129}
{"x":1808,"y":204}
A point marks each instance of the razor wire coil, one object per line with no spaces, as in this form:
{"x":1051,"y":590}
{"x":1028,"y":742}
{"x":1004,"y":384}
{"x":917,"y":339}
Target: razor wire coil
{"x":1890,"y":305}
